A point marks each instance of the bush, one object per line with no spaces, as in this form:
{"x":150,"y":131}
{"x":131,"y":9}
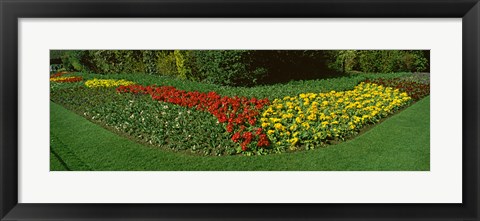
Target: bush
{"x":166,"y":63}
{"x":74,"y":60}
{"x":56,"y":57}
{"x":388,"y":61}
{"x":226,"y":67}
{"x":184,"y":61}
{"x":244,"y":67}
{"x":117,"y":61}
{"x":343,"y":61}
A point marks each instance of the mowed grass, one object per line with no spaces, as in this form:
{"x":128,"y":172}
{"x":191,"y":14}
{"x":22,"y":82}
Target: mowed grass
{"x":400,"y":143}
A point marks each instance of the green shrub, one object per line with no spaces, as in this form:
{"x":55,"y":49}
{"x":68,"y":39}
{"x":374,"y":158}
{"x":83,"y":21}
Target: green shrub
{"x":56,"y":57}
{"x":245,"y":67}
{"x":117,"y":61}
{"x":387,"y":61}
{"x":343,"y":61}
{"x":166,"y":63}
{"x":73,"y":60}
{"x":149,"y":60}
{"x":226,"y":67}
{"x":184,"y":61}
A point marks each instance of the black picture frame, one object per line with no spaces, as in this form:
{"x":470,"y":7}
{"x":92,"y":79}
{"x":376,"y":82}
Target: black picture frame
{"x":11,"y":10}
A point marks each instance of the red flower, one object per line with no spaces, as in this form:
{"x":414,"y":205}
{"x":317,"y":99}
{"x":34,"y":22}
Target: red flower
{"x":236,"y":137}
{"x":237,"y":111}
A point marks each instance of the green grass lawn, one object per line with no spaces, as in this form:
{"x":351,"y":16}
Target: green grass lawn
{"x":400,"y":143}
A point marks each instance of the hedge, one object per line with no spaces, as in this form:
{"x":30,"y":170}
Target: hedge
{"x":244,"y":67}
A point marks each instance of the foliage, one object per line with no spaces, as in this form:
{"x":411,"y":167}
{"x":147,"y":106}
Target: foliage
{"x":225,"y":67}
{"x":386,"y":61}
{"x":184,"y":61}
{"x":244,"y":67}
{"x":149,"y":60}
{"x":56,"y":68}
{"x":56,"y":54}
{"x":117,"y":61}
{"x":343,"y":61}
{"x":379,"y":61}
{"x":75,"y":60}
{"x":166,"y":63}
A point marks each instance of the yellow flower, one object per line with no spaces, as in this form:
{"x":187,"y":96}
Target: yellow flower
{"x":107,"y":83}
{"x":306,"y":125}
{"x":278,"y":126}
{"x":293,"y":141}
{"x":60,"y":79}
{"x":341,"y":111}
{"x":298,"y":120}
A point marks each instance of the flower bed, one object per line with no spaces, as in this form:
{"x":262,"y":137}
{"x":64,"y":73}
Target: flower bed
{"x":107,"y":83}
{"x":145,"y":120}
{"x":238,"y":123}
{"x":312,"y":119}
{"x":415,"y":90}
{"x":66,"y":79}
{"x":58,"y":74}
{"x":237,"y":114}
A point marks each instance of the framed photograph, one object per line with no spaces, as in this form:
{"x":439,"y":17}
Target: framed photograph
{"x":256,"y":110}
